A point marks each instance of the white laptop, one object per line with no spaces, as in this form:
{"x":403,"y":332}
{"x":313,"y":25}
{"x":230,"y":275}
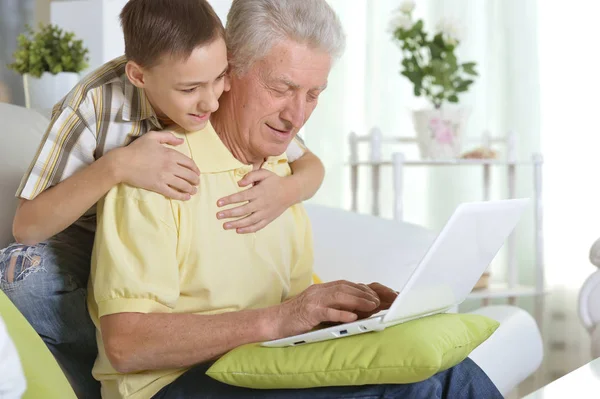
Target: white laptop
{"x":445,"y":275}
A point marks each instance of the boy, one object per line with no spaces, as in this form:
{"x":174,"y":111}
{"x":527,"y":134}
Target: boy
{"x":85,"y":153}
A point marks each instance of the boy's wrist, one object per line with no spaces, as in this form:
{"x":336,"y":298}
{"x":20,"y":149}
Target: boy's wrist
{"x":293,"y":190}
{"x":114,"y":163}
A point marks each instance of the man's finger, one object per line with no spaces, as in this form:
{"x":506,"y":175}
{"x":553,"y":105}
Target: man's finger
{"x":368,"y":289}
{"x":359,"y":290}
{"x":386,"y":294}
{"x":345,"y":301}
{"x":331,"y":315}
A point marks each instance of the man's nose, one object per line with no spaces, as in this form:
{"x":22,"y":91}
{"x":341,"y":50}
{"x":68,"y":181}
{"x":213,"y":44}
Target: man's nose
{"x":295,"y":111}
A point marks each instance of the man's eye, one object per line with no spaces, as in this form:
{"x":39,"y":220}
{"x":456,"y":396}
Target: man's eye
{"x":188,"y":90}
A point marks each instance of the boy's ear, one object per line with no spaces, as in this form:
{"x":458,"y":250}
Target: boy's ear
{"x":227,"y":84}
{"x":135,"y":73}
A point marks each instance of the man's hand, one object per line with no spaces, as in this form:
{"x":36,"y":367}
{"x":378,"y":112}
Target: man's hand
{"x":269,"y":197}
{"x":147,"y":163}
{"x":335,"y":302}
{"x":386,"y":297}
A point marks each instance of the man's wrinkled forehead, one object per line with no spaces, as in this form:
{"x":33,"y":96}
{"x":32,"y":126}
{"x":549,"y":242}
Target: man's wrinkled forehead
{"x":296,"y":66}
{"x":289,"y":82}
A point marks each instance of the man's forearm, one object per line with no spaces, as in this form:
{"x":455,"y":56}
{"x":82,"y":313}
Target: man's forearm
{"x":57,"y":208}
{"x":136,"y":342}
{"x":307,"y":175}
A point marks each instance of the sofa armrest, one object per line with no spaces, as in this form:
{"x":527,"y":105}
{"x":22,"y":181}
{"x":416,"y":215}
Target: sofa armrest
{"x":514,"y":351}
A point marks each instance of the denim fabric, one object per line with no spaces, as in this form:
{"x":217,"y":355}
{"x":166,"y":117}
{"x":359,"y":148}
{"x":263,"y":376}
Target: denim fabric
{"x":464,"y":381}
{"x":48,"y":284}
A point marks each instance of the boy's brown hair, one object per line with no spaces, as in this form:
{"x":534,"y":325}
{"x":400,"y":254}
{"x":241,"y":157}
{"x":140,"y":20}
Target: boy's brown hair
{"x":153,"y":28}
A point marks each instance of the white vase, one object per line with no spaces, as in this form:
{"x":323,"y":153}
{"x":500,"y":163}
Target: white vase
{"x":44,"y":92}
{"x":440,"y":132}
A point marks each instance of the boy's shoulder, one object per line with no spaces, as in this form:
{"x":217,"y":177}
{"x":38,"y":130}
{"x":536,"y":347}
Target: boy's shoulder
{"x":105,"y":81}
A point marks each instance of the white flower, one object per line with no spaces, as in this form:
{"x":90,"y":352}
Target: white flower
{"x":450,"y":30}
{"x":407,"y":6}
{"x":450,"y":41}
{"x":400,"y":21}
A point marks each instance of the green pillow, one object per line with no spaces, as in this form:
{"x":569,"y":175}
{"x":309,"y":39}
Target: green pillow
{"x":405,"y":353}
{"x":44,"y":376}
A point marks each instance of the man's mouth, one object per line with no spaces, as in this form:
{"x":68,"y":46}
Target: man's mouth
{"x":280,"y":131}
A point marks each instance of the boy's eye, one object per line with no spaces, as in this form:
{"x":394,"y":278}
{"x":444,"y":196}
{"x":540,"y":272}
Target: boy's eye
{"x":188,"y":90}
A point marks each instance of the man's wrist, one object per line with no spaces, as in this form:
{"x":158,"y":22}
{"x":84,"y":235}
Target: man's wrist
{"x":268,"y":321}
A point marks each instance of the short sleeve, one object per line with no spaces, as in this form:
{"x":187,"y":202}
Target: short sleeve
{"x":68,"y":145}
{"x":134,"y":264}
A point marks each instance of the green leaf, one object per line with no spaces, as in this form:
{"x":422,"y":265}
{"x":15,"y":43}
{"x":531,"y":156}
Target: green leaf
{"x":417,"y":91}
{"x":49,"y":49}
{"x":469,"y":68}
{"x":463,"y":86}
{"x":453,"y":98}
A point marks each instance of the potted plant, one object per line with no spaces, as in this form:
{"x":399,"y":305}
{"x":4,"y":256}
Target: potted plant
{"x":430,"y":63}
{"x":50,"y":61}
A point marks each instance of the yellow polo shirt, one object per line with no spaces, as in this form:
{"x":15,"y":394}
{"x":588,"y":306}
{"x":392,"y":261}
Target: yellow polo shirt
{"x":155,"y":255}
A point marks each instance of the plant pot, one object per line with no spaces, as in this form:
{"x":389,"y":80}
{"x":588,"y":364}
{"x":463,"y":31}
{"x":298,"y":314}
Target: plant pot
{"x":44,"y":92}
{"x":440,"y":132}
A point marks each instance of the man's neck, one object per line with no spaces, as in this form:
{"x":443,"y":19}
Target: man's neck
{"x":224,"y":122}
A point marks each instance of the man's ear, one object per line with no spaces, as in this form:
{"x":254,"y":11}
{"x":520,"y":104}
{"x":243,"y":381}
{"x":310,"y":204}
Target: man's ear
{"x":135,"y":73}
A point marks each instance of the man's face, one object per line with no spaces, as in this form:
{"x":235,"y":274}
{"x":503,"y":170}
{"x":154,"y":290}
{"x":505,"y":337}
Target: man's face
{"x":187,"y":91}
{"x":274,"y":99}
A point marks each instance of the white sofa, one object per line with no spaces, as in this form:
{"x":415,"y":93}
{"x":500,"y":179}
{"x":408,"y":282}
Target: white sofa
{"x":347,"y":245}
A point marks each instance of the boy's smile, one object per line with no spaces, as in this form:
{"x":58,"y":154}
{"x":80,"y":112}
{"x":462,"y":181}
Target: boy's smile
{"x":186,"y":91}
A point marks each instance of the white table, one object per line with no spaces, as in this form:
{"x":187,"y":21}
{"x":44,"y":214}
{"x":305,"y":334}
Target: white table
{"x":581,"y":383}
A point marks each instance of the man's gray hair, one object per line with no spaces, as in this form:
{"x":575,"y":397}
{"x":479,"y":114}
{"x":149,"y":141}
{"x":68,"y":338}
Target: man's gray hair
{"x":255,"y":26}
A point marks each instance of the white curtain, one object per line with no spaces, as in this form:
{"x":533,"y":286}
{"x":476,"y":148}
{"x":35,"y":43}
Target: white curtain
{"x":367,"y":90}
{"x":570,"y":85}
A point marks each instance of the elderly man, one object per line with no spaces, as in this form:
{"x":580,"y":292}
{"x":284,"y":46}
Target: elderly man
{"x":171,"y":290}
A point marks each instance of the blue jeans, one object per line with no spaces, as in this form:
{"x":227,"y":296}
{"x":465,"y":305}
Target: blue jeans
{"x":463,"y":381}
{"x":48,"y":284}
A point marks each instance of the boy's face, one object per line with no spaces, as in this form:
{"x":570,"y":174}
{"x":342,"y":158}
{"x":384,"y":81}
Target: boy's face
{"x":185,"y":91}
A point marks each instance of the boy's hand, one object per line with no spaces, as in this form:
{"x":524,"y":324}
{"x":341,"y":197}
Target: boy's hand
{"x":270,"y":196}
{"x":147,"y":163}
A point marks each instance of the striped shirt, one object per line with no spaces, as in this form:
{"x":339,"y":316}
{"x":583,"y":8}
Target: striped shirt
{"x":102,"y":112}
